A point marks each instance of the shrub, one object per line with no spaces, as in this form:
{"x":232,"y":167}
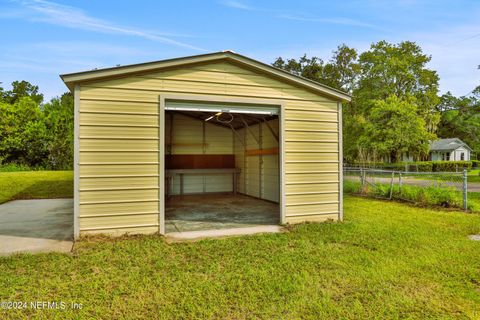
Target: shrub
{"x":451,"y":166}
{"x":422,"y":166}
{"x":11,"y":167}
{"x":351,"y":186}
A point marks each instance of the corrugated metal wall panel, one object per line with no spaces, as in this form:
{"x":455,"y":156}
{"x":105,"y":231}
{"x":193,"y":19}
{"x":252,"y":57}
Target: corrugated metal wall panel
{"x":310,"y":177}
{"x":109,"y":132}
{"x":296,"y":146}
{"x":118,"y":145}
{"x":314,"y":217}
{"x":311,"y":209}
{"x":126,"y":208}
{"x":311,"y":156}
{"x":131,"y":105}
{"x":240,"y":160}
{"x":120,"y":106}
{"x":117,"y":169}
{"x":118,"y":221}
{"x":115,"y":183}
{"x":119,"y":157}
{"x":270,"y":164}
{"x":252,"y":176}
{"x":118,"y":119}
{"x":188,"y":139}
{"x":219,"y":140}
{"x":292,"y":189}
{"x":118,"y":195}
{"x":311,"y":126}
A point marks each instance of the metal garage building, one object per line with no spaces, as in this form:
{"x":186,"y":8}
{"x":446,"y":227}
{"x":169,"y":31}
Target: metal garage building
{"x":214,"y":140}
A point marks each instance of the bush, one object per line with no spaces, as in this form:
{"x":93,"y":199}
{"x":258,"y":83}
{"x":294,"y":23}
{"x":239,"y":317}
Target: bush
{"x":451,"y":166}
{"x":351,"y":186}
{"x":12,"y":167}
{"x":422,"y":166}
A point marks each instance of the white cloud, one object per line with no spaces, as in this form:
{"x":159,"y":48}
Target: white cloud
{"x":332,"y":20}
{"x":237,"y":5}
{"x":75,"y":18}
{"x":338,"y":20}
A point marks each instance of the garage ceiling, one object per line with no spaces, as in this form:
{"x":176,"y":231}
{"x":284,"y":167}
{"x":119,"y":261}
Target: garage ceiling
{"x":227,"y":119}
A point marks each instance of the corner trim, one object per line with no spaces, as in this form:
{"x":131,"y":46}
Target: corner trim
{"x":161,"y":164}
{"x":76,"y":163}
{"x":340,"y":161}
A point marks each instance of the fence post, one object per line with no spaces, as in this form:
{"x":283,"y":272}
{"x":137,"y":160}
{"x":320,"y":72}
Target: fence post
{"x":400,"y":182}
{"x":465,"y":190}
{"x":364,"y":181}
{"x":391,"y":185}
{"x":361,"y":180}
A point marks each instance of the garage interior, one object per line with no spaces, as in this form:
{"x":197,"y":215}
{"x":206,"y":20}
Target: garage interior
{"x":221,"y":166}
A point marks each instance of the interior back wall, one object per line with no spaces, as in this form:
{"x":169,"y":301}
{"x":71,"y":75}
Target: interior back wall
{"x":185,"y":135}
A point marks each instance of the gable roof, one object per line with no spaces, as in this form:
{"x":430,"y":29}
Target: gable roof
{"x":71,"y":79}
{"x":448,"y":144}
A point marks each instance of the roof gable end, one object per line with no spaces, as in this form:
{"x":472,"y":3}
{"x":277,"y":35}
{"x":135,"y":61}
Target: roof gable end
{"x":110,"y":73}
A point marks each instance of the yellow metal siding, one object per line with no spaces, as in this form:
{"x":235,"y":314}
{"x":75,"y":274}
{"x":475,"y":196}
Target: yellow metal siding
{"x":119,"y":140}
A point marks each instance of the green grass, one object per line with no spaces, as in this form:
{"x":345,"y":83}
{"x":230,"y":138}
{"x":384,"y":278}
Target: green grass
{"x":474,"y":175}
{"x":386,"y":261}
{"x":441,"y":195}
{"x":35,"y":185}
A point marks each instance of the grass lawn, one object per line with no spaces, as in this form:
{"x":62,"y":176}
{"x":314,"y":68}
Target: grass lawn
{"x":387,"y":260}
{"x":474,"y":175}
{"x":35,"y":185}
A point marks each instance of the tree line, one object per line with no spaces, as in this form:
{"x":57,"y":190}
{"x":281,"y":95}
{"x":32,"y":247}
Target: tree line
{"x":396,"y":108}
{"x":34,"y":133}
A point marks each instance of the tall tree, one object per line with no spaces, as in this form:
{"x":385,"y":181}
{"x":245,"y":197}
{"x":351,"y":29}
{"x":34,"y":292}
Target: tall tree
{"x":340,"y":72}
{"x":22,"y":132}
{"x":394,"y":129}
{"x":59,"y":123}
{"x":400,"y":70}
{"x":22,"y":89}
{"x":383,"y":71}
{"x":460,"y":118}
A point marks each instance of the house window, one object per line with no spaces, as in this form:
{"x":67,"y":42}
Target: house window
{"x":447,"y":156}
{"x":462,"y":156}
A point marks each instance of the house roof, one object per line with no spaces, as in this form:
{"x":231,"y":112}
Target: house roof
{"x":71,"y":79}
{"x":448,"y":144}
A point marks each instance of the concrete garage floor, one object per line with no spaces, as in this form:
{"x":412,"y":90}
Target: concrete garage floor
{"x":36,"y":226}
{"x":219,"y":211}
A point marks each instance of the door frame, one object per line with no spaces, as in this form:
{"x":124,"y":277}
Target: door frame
{"x":163,"y":98}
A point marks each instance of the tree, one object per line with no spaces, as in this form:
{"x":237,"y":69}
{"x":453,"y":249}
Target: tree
{"x":460,"y":118}
{"x":383,"y":71}
{"x":395,"y":129}
{"x":21,"y":89}
{"x":340,"y":72}
{"x":400,"y":70}
{"x":59,"y":114}
{"x":22,"y":132}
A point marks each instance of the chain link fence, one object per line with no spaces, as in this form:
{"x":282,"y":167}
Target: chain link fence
{"x":447,"y":189}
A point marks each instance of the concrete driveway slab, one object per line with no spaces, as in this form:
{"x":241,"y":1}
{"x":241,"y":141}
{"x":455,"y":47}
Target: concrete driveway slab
{"x":36,"y":226}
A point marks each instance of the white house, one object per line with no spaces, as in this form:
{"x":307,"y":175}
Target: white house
{"x":452,"y":149}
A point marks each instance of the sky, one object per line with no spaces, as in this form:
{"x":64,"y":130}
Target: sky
{"x":42,"y":39}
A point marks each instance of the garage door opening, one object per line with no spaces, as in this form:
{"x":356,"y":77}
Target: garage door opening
{"x":222,"y":166}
